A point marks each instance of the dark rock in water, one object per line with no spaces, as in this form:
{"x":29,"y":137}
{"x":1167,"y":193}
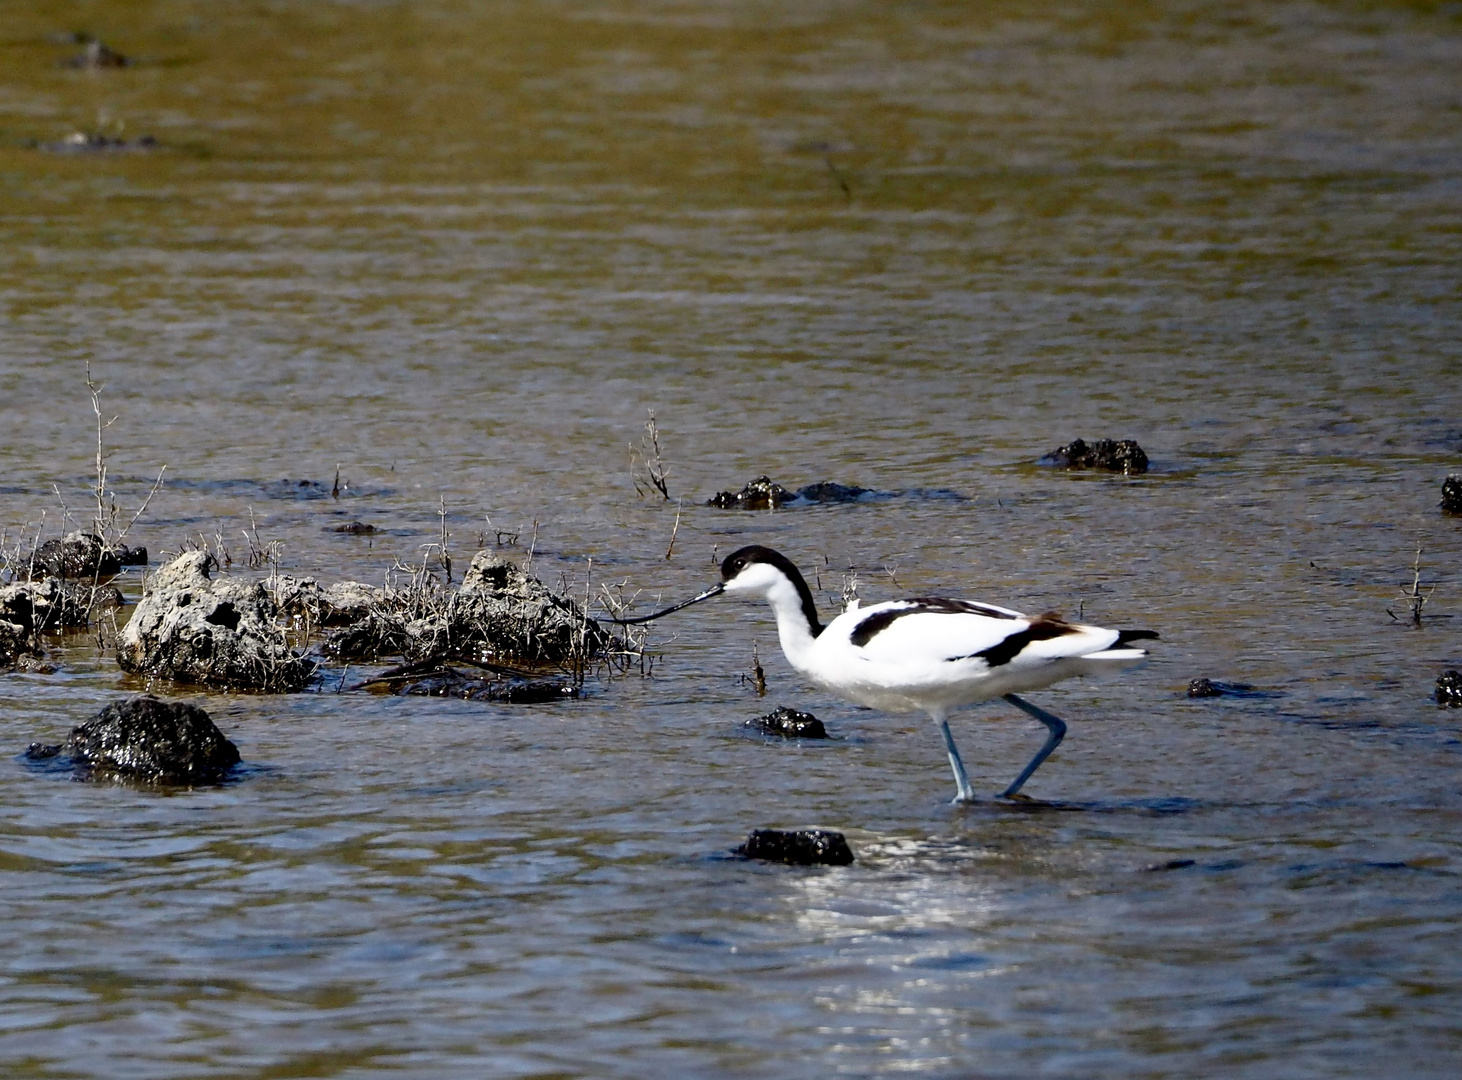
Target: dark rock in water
{"x":790,"y":724}
{"x":142,"y":738}
{"x":800,"y":847}
{"x":355,"y":528}
{"x":1452,"y":495}
{"x":1449,"y":689}
{"x":97,"y":55}
{"x":1201,"y":688}
{"x":191,"y":628}
{"x":132,"y":556}
{"x":1170,"y":864}
{"x":431,"y":678}
{"x":1109,"y":455}
{"x":761,"y":494}
{"x":1204,"y":688}
{"x":76,"y":555}
{"x":829,"y":492}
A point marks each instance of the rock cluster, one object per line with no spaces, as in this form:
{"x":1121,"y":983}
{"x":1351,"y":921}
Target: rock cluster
{"x":223,"y":633}
{"x":499,"y":615}
{"x":764,"y":493}
{"x":142,"y":738}
{"x":1108,"y":455}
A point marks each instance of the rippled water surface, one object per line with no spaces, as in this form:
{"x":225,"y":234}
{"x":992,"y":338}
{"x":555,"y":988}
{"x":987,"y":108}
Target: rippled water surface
{"x":458,"y":250}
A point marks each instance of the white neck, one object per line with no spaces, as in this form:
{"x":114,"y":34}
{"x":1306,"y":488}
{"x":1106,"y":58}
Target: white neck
{"x":793,"y":629}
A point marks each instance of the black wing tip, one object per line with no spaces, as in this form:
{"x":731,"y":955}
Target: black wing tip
{"x":1124,"y":636}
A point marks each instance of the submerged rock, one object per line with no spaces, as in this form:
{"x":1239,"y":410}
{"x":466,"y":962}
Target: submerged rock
{"x":142,"y":738}
{"x":829,"y":492}
{"x":355,"y":528}
{"x":800,"y":847}
{"x":432,"y":678}
{"x":191,"y":628}
{"x":1452,"y":495}
{"x":1204,"y":688}
{"x":1109,"y":455}
{"x":75,"y":555}
{"x":1449,"y":689}
{"x":760,"y":494}
{"x":790,"y":724}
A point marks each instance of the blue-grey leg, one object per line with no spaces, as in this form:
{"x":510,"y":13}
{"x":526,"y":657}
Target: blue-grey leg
{"x":1054,"y":724}
{"x":962,"y":781}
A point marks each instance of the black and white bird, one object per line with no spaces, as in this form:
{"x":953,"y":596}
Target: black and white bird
{"x":926,"y":654}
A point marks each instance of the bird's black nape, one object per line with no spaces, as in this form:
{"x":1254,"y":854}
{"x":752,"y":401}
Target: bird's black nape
{"x":741,"y":558}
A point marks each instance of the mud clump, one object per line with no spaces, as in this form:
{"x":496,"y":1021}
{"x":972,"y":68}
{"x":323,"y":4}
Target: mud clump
{"x":502,"y":613}
{"x":142,"y":738}
{"x":789,"y":724}
{"x":224,"y":633}
{"x":1106,"y":455}
{"x":432,"y":678}
{"x":356,"y":528}
{"x":499,"y":615}
{"x":1452,"y":495}
{"x":799,"y":847}
{"x":760,"y":494}
{"x":1449,"y":689}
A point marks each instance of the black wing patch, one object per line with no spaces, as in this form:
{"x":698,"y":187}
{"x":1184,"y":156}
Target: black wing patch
{"x":880,"y":621}
{"x":1043,"y":629}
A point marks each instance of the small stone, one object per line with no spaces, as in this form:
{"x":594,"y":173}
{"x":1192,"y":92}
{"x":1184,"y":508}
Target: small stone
{"x":1452,"y":495}
{"x":1449,"y":689}
{"x":132,"y":556}
{"x":1108,"y":455}
{"x":799,"y":847}
{"x":790,"y":724}
{"x":760,"y":494}
{"x":355,"y":528}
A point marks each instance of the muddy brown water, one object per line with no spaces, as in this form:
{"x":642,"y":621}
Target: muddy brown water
{"x":459,"y":250}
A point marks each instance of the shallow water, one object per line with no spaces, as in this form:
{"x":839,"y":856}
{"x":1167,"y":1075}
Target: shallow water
{"x":459,"y":251}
